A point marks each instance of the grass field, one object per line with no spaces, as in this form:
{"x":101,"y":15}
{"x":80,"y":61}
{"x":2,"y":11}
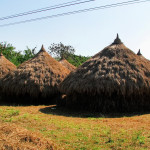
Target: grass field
{"x":80,"y":130}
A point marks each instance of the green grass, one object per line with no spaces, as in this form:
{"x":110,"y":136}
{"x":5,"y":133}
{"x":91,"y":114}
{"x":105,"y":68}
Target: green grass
{"x":82,"y":133}
{"x":7,"y":115}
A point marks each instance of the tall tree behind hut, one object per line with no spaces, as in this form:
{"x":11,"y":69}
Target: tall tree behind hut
{"x":8,"y":51}
{"x":28,"y":53}
{"x":60,"y":51}
{"x":77,"y":60}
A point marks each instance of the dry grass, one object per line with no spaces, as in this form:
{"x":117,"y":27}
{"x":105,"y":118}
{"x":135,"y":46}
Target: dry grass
{"x":5,"y":66}
{"x":37,"y":77}
{"x":13,"y":137}
{"x":70,"y":131}
{"x":66,"y":64}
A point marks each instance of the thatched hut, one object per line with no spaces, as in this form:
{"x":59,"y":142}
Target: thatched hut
{"x":115,"y":79}
{"x":66,"y":64}
{"x":36,"y":79}
{"x":5,"y":66}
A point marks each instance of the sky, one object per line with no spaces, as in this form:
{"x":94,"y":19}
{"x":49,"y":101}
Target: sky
{"x":88,"y":32}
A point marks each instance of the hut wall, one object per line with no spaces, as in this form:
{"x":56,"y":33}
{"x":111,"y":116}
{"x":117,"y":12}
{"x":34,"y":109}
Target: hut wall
{"x":104,"y":103}
{"x":26,"y":99}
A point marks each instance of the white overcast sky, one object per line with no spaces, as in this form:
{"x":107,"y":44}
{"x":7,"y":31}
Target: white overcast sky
{"x":87,"y":32}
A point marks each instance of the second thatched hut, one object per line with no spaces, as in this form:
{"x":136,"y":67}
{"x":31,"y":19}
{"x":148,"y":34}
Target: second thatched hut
{"x":114,"y":80}
{"x":66,"y":64}
{"x":35,"y":79}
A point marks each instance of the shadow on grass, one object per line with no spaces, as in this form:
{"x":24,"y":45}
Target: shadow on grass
{"x":62,"y":111}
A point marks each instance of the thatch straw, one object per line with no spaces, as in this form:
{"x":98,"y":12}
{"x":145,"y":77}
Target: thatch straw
{"x":66,"y":64}
{"x":13,"y":137}
{"x":37,"y":77}
{"x":114,"y":77}
{"x":5,"y":66}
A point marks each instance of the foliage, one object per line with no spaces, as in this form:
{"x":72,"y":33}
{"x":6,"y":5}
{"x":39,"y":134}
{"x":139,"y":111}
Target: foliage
{"x":77,"y":60}
{"x":8,"y":51}
{"x":16,"y":57}
{"x":60,"y":50}
{"x":28,"y":54}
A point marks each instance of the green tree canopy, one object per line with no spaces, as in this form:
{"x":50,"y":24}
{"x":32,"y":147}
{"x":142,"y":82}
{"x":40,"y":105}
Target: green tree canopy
{"x":61,"y":51}
{"x":16,"y":57}
{"x":77,"y":60}
{"x":28,"y":53}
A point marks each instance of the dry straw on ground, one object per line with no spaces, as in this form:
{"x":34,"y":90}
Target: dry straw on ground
{"x":115,"y":79}
{"x":66,"y":64}
{"x":37,"y":77}
{"x":5,"y":66}
{"x":13,"y":137}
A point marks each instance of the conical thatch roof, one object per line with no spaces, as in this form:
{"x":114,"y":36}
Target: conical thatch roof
{"x":5,"y":66}
{"x":37,"y":77}
{"x":115,"y":71}
{"x":66,"y":64}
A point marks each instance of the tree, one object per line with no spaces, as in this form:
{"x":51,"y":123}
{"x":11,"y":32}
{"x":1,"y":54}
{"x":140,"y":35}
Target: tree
{"x":61,"y":51}
{"x":77,"y":60}
{"x":7,"y":50}
{"x":58,"y":50}
{"x":16,"y":57}
{"x":29,"y":53}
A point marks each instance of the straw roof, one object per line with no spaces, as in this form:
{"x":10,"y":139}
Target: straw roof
{"x":37,"y":77}
{"x":115,"y":69}
{"x":5,"y":66}
{"x":66,"y":64}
